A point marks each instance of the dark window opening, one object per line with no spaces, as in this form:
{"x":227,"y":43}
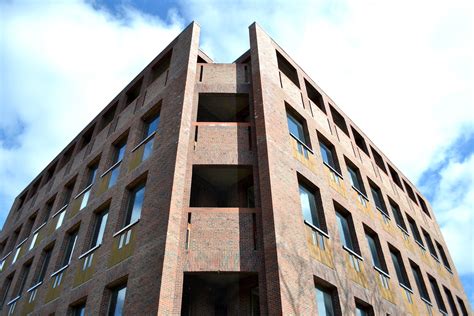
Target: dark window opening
{"x":297,"y":127}
{"x":134,"y":91}
{"x":201,"y":60}
{"x":328,"y":154}
{"x":79,"y":309}
{"x":360,"y":141}
{"x":399,"y":267}
{"x":430,"y":244}
{"x":162,"y":66}
{"x":23,"y":277}
{"x":29,"y":225}
{"x":6,"y":288}
{"x":47,"y":210}
{"x":414,"y":230}
{"x":409,"y":191}
{"x":286,"y":68}
{"x":71,"y":239}
{"x":378,"y":199}
{"x":363,"y":308}
{"x":437,"y":294}
{"x":355,"y":177}
{"x":443,"y":255}
{"x":315,"y":96}
{"x":345,"y":225}
{"x":67,"y":156}
{"x":378,"y":259}
{"x":398,"y":215}
{"x":222,"y":186}
{"x":451,"y":303}
{"x":223,"y":107}
{"x":378,"y":160}
{"x":463,"y":307}
{"x":68,"y":189}
{"x":43,"y":266}
{"x":395,"y":176}
{"x":50,"y":172}
{"x":117,"y":301}
{"x":86,"y":137}
{"x":220,"y":294}
{"x":21,"y":201}
{"x":34,"y":187}
{"x":99,"y":228}
{"x":420,"y":283}
{"x":311,"y":205}
{"x":151,"y":121}
{"x":108,"y":116}
{"x":339,"y":120}
{"x":327,"y":299}
{"x":135,"y":204}
{"x":423,"y":205}
{"x":91,"y":173}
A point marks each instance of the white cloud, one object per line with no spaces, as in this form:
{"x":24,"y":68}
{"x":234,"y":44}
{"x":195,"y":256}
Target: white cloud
{"x":61,"y":64}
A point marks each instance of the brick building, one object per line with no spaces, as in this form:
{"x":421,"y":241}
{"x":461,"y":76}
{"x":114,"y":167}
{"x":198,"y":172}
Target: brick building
{"x":224,"y":189}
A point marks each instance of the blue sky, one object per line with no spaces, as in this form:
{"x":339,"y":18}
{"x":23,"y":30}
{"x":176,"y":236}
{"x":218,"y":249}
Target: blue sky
{"x":402,"y":70}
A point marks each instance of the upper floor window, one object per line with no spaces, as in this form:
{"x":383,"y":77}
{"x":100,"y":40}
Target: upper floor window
{"x":311,"y":206}
{"x":463,"y":307}
{"x":420,"y":283}
{"x":399,"y":267}
{"x":23,"y":277}
{"x":410,"y":192}
{"x":43,"y":265}
{"x":99,"y":228}
{"x":378,"y":160}
{"x":395,"y":176}
{"x":423,"y":205}
{"x":430,"y":244}
{"x":297,"y":129}
{"x":437,"y":294}
{"x":71,"y":239}
{"x":354,"y":176}
{"x":363,"y":309}
{"x":288,"y":69}
{"x":68,"y":189}
{"x":339,"y":120}
{"x":117,"y":301}
{"x":6,"y":288}
{"x":397,"y":214}
{"x":346,"y":230}
{"x":92,"y":173}
{"x":315,"y":96}
{"x":360,"y":141}
{"x":325,"y":300}
{"x":375,"y":250}
{"x":79,"y":309}
{"x":328,"y":154}
{"x":415,"y":232}
{"x":451,"y":303}
{"x":135,"y":204}
{"x":443,"y":255}
{"x":378,"y":199}
{"x":119,"y":151}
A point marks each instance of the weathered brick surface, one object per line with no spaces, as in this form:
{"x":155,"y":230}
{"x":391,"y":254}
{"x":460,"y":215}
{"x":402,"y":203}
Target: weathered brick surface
{"x":270,"y":241}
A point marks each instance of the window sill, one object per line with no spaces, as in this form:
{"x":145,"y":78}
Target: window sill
{"x":6,"y":256}
{"x":84,"y":190}
{"x":59,"y":211}
{"x":38,"y":229}
{"x":34,"y":286}
{"x":436,"y":258}
{"x":302,"y":144}
{"x":319,"y":230}
{"x":144,"y":141}
{"x":361,"y":193}
{"x":111,"y":168}
{"x":333,"y":170}
{"x":406,"y":288}
{"x":14,"y":300}
{"x":89,"y":251}
{"x":60,"y":270}
{"x":426,"y":301}
{"x":403,"y":230}
{"x":421,"y":245}
{"x":382,"y":272}
{"x":126,"y":228}
{"x":352,"y":252}
{"x":21,"y":243}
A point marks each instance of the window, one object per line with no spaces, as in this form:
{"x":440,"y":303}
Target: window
{"x":297,"y":129}
{"x":151,"y":124}
{"x":378,"y":160}
{"x":47,"y":210}
{"x":363,"y":309}
{"x":339,"y":120}
{"x":360,"y":141}
{"x":79,"y":310}
{"x":286,"y":68}
{"x":6,"y":288}
{"x":223,"y":107}
{"x":43,"y":267}
{"x":325,"y":301}
{"x":314,"y":96}
{"x":346,"y":230}
{"x":119,"y":153}
{"x":311,"y":206}
{"x":429,"y":242}
{"x":443,"y":255}
{"x":395,"y":176}
{"x":67,"y":156}
{"x":420,"y":283}
{"x":409,"y":191}
{"x":378,"y":199}
{"x":451,"y":303}
{"x":415,"y":232}
{"x":161,"y":66}
{"x":71,"y":239}
{"x":67,"y":194}
{"x":22,"y":280}
{"x":91,"y":173}
{"x":463,"y":307}
{"x":133,"y":92}
{"x":117,"y":301}
{"x":399,"y":267}
{"x":99,"y":228}
{"x":375,"y":249}
{"x":423,"y":205}
{"x":397,"y":214}
{"x":354,"y":176}
{"x":108,"y":116}
{"x":135,"y":204}
{"x":87,"y":137}
{"x":437,"y":294}
{"x":328,"y":154}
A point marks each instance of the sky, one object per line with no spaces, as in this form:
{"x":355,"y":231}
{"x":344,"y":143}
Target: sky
{"x":402,"y":70}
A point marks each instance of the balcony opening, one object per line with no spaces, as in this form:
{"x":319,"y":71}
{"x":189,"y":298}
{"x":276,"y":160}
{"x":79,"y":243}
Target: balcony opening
{"x":339,"y":120}
{"x":133,"y":92}
{"x":222,"y":186}
{"x":360,"y":141}
{"x":287,"y":69}
{"x":161,"y":66}
{"x":378,"y":160}
{"x":315,"y":96}
{"x":223,"y":107}
{"x":224,"y":293}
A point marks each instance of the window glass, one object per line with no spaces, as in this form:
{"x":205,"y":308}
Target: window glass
{"x":71,"y":243}
{"x":296,"y":128}
{"x":119,"y":152}
{"x":44,"y":266}
{"x":344,"y":231}
{"x":151,"y":126}
{"x":99,"y":228}
{"x":355,"y":179}
{"x":378,"y":199}
{"x":420,"y":284}
{"x":374,"y":252}
{"x":117,"y":301}
{"x":415,"y":231}
{"x":429,"y":242}
{"x":437,"y":294}
{"x":398,"y":216}
{"x":327,"y":155}
{"x":399,"y":269}
{"x":135,"y":205}
{"x":360,"y":311}
{"x":308,"y":206}
{"x":324,"y":302}
{"x":79,"y":310}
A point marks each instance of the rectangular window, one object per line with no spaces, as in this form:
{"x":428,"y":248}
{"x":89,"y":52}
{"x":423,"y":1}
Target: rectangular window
{"x":420,"y":283}
{"x":6,"y":288}
{"x":133,"y":92}
{"x":354,"y":176}
{"x":339,"y":120}
{"x":108,"y":116}
{"x":346,"y":230}
{"x":297,"y":129}
{"x":325,"y":301}
{"x":91,"y":173}
{"x":99,"y":228}
{"x":223,"y":107}
{"x":378,"y":160}
{"x":423,"y":205}
{"x":135,"y":204}
{"x":48,"y":209}
{"x":79,"y":310}
{"x":314,"y":96}
{"x":378,"y":199}
{"x":161,"y":66}
{"x":67,"y":194}
{"x":395,"y":176}
{"x":22,"y":280}
{"x":288,"y":69}
{"x":463,"y":307}
{"x":151,"y":124}
{"x":429,"y":242}
{"x":119,"y":151}
{"x":118,"y":154}
{"x":399,"y":267}
{"x":360,"y":141}
{"x":443,"y":255}
{"x":415,"y":232}
{"x":363,"y":309}
{"x":71,"y":239}
{"x":437,"y":294}
{"x":452,"y":305}
{"x":44,"y":263}
{"x":375,"y":249}
{"x":311,"y":207}
{"x":328,"y":154}
{"x":409,"y":191}
{"x":117,"y":301}
{"x":397,"y":214}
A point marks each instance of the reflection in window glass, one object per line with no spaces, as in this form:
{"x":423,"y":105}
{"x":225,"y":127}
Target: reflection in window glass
{"x":117,"y":301}
{"x":324,"y":302}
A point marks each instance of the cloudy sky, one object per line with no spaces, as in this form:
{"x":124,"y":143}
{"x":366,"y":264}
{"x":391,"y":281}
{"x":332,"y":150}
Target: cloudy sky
{"x":402,"y":70}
